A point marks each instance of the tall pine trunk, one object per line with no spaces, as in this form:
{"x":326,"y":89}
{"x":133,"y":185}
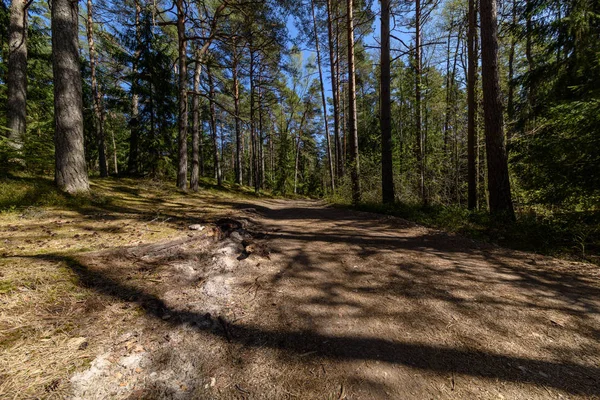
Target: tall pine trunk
{"x":253,"y":141}
{"x":418,"y":107}
{"x":71,"y":173}
{"x":213,"y":127}
{"x":323,"y":99}
{"x":511,"y":77}
{"x":387,"y":168}
{"x":183,"y":106}
{"x":498,"y":179}
{"x":134,"y":123}
{"x":352,"y":119}
{"x":238,"y":130}
{"x":333,"y":62}
{"x":17,"y":72}
{"x":472,"y":106}
{"x":96,"y":94}
{"x":196,"y":142}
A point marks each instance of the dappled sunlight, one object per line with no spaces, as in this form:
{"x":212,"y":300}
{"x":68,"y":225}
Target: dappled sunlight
{"x":340,"y":301}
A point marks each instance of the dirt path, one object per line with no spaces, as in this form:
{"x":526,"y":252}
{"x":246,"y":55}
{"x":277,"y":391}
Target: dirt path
{"x":346,"y":305}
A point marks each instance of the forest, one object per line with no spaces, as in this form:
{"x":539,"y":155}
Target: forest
{"x":437,"y":106}
{"x":314,"y":199}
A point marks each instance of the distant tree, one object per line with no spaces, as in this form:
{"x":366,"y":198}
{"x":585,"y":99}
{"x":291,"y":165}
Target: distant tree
{"x":353,"y":156}
{"x":96,"y":93}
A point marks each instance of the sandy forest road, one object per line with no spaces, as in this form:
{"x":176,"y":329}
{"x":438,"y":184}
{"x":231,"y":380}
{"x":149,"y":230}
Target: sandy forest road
{"x":347,"y":305}
{"x":394,"y":310}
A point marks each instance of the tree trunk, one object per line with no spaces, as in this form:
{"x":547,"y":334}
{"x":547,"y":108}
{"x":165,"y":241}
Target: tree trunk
{"x":323,"y":99}
{"x":298,"y":140}
{"x":114,"y":148}
{"x":183,"y":107}
{"x":472,"y":106}
{"x":238,"y":129}
{"x":71,"y":173}
{"x":498,"y":179}
{"x":418,"y":107}
{"x":260,"y":150}
{"x":134,"y":123}
{"x":196,"y":144}
{"x":448,"y":86}
{"x":352,"y":120}
{"x":335,"y":93}
{"x":341,"y":141}
{"x":387,"y":167}
{"x":17,"y":72}
{"x":213,"y":128}
{"x":529,"y":52}
{"x":511,"y":77}
{"x":254,"y":156}
{"x":96,"y":94}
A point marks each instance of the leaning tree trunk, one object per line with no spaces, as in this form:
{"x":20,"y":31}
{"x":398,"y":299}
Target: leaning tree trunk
{"x":352,"y":123}
{"x":71,"y":174}
{"x":323,"y":99}
{"x":17,"y":72}
{"x":96,"y":95}
{"x":387,"y":168}
{"x":183,"y":107}
{"x":498,"y":179}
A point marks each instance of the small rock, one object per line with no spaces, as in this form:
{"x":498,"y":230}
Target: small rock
{"x":197,"y":227}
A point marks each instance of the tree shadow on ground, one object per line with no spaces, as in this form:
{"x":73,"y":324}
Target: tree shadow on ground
{"x":447,"y":305}
{"x":565,"y":375}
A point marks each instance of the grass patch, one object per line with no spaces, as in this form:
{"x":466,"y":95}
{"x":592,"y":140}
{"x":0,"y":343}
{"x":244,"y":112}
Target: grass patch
{"x":6,"y":287}
{"x":574,"y":235}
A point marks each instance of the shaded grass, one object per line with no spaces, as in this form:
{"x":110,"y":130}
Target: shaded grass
{"x":44,"y":305}
{"x":574,"y":235}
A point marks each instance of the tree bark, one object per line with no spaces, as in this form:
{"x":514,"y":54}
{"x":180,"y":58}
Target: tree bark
{"x":96,"y":94}
{"x":323,"y":100}
{"x":71,"y":173}
{"x":17,"y":72}
{"x":196,"y":142}
{"x":238,"y":129}
{"x":333,"y":61}
{"x":418,"y":107}
{"x":498,"y":178}
{"x":511,"y":77}
{"x":114,"y":148}
{"x":472,"y":106}
{"x":387,"y":167}
{"x":253,"y":141}
{"x":183,"y":106}
{"x":134,"y":124}
{"x":352,"y":119}
{"x":213,"y":128}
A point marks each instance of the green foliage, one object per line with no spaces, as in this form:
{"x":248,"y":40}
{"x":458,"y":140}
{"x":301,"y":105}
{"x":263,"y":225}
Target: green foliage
{"x":575,"y":234}
{"x":559,"y":163}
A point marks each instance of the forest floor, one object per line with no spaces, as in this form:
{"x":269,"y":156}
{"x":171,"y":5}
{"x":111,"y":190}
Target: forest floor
{"x":280,"y":299}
